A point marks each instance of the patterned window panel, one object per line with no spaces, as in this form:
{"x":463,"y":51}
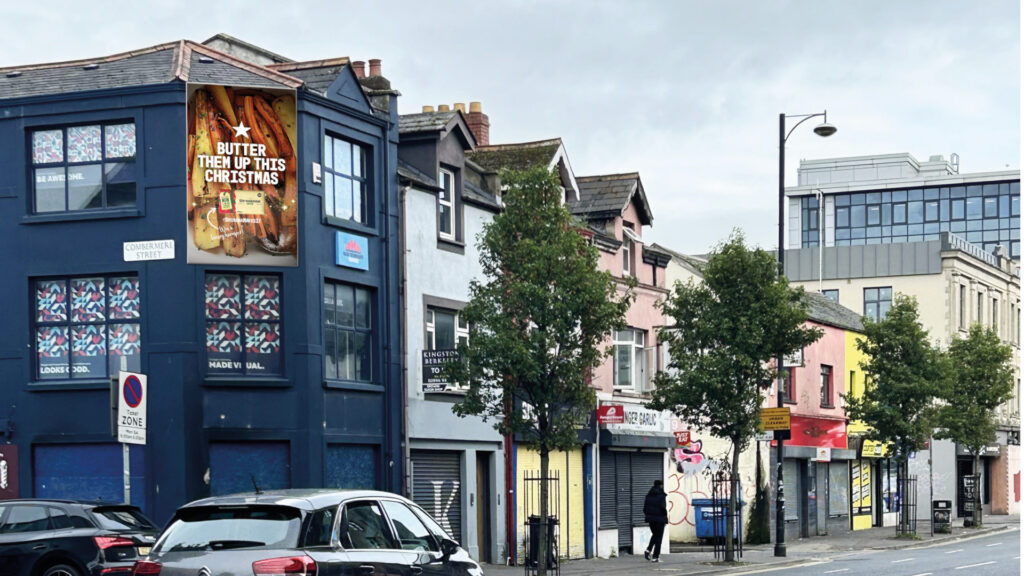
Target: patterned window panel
{"x":262,"y":298}
{"x":120,"y":140}
{"x":87,"y":300}
{"x":224,"y":337}
{"x":84,"y":144}
{"x":47,"y":146}
{"x":125,"y":340}
{"x":51,"y":301}
{"x":223,"y":297}
{"x":124,"y":300}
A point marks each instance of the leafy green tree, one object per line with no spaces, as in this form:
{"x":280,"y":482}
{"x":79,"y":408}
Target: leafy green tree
{"x":537,"y":323}
{"x":981,"y":380}
{"x":904,"y":374}
{"x":727,"y":332}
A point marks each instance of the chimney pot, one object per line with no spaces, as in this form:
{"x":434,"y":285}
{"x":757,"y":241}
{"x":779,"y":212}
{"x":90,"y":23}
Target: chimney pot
{"x":428,"y":108}
{"x":475,"y":107}
{"x":374,"y":66}
{"x":359,"y":67}
{"x":461,"y":107}
{"x":443,"y":108}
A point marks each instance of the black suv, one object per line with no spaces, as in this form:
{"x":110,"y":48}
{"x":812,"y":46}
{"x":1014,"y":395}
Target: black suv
{"x":71,"y":538}
{"x":305,"y":532}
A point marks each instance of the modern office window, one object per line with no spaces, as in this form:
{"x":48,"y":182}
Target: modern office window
{"x":83,"y":327}
{"x":446,"y":205}
{"x":826,"y":386}
{"x":345,"y":180}
{"x":877,"y":302}
{"x":243,"y":324}
{"x":629,"y":359}
{"x":80,"y":168}
{"x":986,"y":215}
{"x":348,"y":333}
{"x":789,"y":385}
{"x":444,"y":329}
{"x":832,"y":295}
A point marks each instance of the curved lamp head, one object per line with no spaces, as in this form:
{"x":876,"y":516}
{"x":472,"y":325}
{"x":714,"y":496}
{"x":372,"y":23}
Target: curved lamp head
{"x":825,"y":129}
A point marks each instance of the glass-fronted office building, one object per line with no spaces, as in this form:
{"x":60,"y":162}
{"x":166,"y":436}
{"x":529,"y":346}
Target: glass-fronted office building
{"x":895,"y":199}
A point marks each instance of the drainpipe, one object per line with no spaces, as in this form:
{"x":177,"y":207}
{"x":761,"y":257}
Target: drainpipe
{"x":402,"y":286}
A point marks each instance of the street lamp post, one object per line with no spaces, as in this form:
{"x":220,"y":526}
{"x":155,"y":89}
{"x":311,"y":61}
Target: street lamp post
{"x":825,"y":130}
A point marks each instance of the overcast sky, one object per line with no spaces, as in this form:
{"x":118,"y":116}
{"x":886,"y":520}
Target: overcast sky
{"x":687,"y":93}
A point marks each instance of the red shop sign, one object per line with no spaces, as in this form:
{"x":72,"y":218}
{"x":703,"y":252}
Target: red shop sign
{"x":610,"y":414}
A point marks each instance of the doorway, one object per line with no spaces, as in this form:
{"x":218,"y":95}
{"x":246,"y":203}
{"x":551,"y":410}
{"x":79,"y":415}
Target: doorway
{"x":483,"y":505}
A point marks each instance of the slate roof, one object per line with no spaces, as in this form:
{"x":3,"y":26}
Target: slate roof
{"x":516,"y":156}
{"x":608,"y":195}
{"x":824,"y":310}
{"x":476,"y":195}
{"x":424,"y":122}
{"x":414,"y":175}
{"x":694,"y":263}
{"x":154,"y":65}
{"x":184,"y":61}
{"x":318,"y":75}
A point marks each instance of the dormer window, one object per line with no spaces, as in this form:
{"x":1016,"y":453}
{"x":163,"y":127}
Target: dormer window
{"x":446,"y":205}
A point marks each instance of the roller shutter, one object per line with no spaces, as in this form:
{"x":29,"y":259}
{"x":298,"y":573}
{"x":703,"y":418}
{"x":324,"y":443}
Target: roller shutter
{"x":645,"y":468}
{"x":437,"y":487}
{"x":607,"y":490}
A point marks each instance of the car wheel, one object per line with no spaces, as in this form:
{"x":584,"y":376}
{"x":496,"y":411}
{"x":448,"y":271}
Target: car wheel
{"x":62,"y":570}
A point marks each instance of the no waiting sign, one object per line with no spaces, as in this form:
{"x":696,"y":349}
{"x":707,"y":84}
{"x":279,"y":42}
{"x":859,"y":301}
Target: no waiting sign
{"x":131,"y":408}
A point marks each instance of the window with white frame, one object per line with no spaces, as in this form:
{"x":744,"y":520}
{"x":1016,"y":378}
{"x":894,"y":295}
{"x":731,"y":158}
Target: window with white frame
{"x":630,"y":360}
{"x":446,"y":205}
{"x":627,"y":257}
{"x":444,"y":330}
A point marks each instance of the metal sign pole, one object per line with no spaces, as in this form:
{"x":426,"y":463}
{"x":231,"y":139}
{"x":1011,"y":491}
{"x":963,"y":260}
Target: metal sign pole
{"x":125,"y":452}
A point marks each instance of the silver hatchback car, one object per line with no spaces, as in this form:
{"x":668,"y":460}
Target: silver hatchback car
{"x":305,"y":532}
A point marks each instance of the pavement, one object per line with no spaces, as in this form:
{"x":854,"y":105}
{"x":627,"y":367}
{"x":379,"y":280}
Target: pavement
{"x":692,"y":559}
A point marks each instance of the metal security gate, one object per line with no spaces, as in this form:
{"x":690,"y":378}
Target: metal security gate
{"x":437,"y":487}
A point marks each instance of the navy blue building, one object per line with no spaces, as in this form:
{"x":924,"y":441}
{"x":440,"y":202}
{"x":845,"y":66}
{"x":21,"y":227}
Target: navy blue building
{"x":278,"y":372}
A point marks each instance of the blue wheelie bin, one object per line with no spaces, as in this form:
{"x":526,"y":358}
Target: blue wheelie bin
{"x":707,"y":512}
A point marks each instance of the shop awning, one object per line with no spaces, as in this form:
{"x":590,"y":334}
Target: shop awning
{"x":635,"y":439}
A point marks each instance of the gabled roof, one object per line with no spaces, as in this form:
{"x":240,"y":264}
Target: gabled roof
{"x":521,"y":156}
{"x":184,"y":61}
{"x":317,"y":75}
{"x":824,"y":310}
{"x":606,"y":196}
{"x":425,"y":122}
{"x":437,"y":122}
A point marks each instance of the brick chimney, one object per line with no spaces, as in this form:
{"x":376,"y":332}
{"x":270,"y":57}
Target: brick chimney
{"x":374,"y":66}
{"x":460,"y":106}
{"x":443,"y":108}
{"x":359,"y":67}
{"x":428,"y":108}
{"x":479,"y":124}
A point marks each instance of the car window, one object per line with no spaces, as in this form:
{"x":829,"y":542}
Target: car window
{"x":26,"y":519}
{"x":320,"y":528}
{"x":363,"y":527}
{"x":412,"y":534}
{"x":59,"y":519}
{"x":122,"y":519}
{"x":432,"y":524}
{"x":231,"y":527}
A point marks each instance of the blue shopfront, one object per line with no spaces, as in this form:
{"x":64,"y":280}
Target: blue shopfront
{"x":176,"y":211}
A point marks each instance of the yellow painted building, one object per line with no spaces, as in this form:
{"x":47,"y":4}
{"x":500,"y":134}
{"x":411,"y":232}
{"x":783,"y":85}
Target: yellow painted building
{"x":568,"y":466}
{"x":860,"y":468}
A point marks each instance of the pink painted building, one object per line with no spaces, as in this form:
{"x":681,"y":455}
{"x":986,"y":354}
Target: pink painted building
{"x":817,"y":456}
{"x":633,"y":450}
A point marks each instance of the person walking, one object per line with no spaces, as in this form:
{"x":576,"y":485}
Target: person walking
{"x":656,"y":515}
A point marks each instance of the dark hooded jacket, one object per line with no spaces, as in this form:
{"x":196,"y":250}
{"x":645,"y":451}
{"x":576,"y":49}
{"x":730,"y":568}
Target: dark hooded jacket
{"x":655,"y":508}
